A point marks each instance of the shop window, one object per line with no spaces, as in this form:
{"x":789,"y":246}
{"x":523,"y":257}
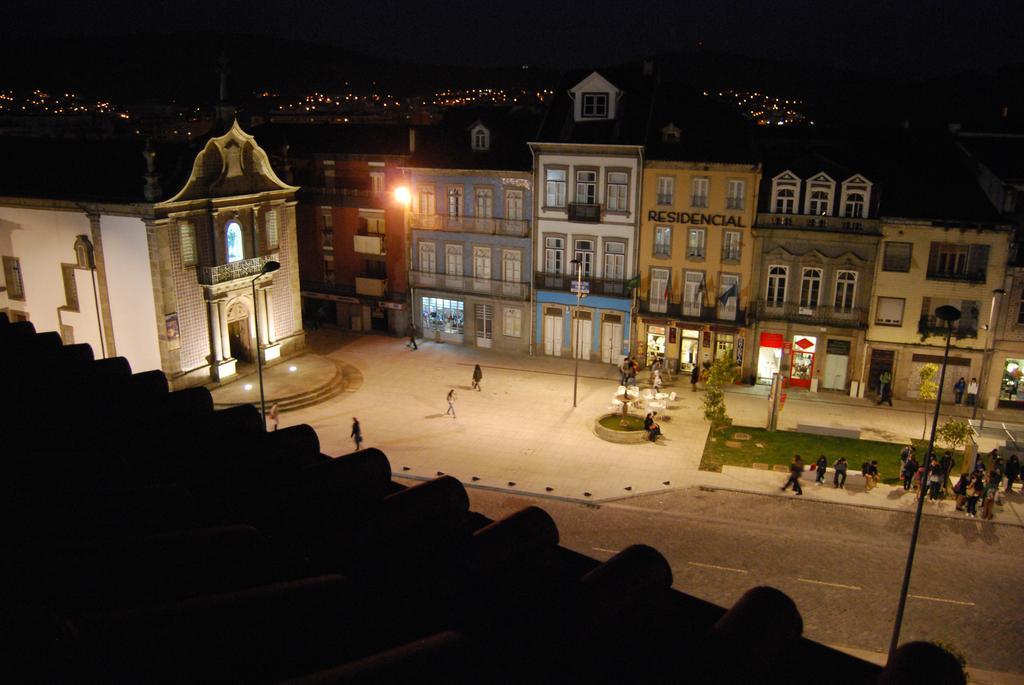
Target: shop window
{"x":438,"y":314}
{"x":1011,"y":390}
{"x":724,"y":343}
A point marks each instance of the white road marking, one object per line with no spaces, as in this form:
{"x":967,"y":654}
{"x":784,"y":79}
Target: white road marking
{"x":822,"y":582}
{"x":602,"y":549}
{"x":720,"y":568}
{"x":940,"y":599}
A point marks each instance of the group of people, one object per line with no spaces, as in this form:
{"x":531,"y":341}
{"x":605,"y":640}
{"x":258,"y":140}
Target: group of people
{"x":820,"y":467}
{"x":972,"y":391}
{"x":984,"y":484}
{"x":931,"y":471}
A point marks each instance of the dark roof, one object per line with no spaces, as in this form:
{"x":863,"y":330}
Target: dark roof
{"x":230,"y":553}
{"x":1002,"y":154}
{"x":447,"y":145}
{"x":306,"y":140}
{"x":709,"y":130}
{"x":91,"y":170}
{"x":633,"y":111}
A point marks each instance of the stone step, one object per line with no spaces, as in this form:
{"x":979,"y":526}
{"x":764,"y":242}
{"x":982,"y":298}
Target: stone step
{"x":347,"y":378}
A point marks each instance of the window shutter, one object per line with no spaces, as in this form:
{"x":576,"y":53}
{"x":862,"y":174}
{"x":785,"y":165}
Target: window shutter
{"x":926,"y":308}
{"x":933,"y":258}
{"x":977,"y":260}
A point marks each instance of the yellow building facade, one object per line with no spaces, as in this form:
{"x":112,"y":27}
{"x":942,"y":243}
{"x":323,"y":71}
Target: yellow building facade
{"x":694,"y":262}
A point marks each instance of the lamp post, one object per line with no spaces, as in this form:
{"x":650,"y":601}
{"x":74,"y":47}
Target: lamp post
{"x":268,"y":267}
{"x":403,"y":196}
{"x":576,"y":325}
{"x":989,"y":339}
{"x":949,"y":315}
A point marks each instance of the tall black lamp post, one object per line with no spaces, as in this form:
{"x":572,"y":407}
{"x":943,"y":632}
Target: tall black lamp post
{"x":949,"y":315}
{"x":578,"y":263}
{"x":269,"y":267}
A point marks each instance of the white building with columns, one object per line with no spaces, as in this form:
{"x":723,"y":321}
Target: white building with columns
{"x":105,"y":257}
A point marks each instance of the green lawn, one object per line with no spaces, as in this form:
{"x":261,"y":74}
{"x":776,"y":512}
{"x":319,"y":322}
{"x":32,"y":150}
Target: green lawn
{"x":780,"y":446}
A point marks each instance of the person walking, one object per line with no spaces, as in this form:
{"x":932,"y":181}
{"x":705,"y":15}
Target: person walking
{"x":946,"y":464}
{"x":839,"y":473}
{"x":655,"y":369}
{"x":796,"y":467}
{"x":972,"y":392}
{"x":909,"y":471}
{"x":656,"y":381}
{"x":412,"y":338}
{"x":885,"y":388}
{"x":624,"y":371}
{"x":819,"y":470}
{"x":958,"y":390}
{"x":274,"y":415}
{"x":451,"y":402}
{"x":478,"y":376}
{"x":1012,"y":471}
{"x":989,"y":495}
{"x":870,"y":475}
{"x":934,"y":480}
{"x":357,"y":433}
{"x":694,"y":377}
{"x":633,"y":369}
{"x":960,"y":490}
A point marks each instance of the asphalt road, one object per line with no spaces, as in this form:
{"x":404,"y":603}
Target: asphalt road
{"x":842,"y":565}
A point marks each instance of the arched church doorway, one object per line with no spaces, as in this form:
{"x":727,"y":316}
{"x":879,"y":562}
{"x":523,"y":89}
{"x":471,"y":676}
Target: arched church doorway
{"x":239,"y":332}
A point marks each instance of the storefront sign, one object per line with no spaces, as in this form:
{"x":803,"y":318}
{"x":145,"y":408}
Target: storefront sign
{"x":739,"y":350}
{"x":707,"y":339}
{"x":666,"y":217}
{"x":771,"y":340}
{"x":839,"y":347}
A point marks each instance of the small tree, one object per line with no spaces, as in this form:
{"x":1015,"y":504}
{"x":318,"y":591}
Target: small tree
{"x":723,"y":371}
{"x":954,"y":433}
{"x":928,"y":389}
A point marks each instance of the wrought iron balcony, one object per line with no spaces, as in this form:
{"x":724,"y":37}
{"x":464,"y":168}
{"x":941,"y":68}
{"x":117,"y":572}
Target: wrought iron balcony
{"x":696,"y":313}
{"x":516,"y":228}
{"x":931,"y":325}
{"x":512,"y":290}
{"x":818,"y":223}
{"x":963,"y":276}
{"x":586,"y":212}
{"x":243,"y":268}
{"x":853,"y":317}
{"x":612,"y":287}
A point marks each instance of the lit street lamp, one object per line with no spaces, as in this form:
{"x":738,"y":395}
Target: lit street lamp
{"x":949,"y":315}
{"x":576,"y":320}
{"x":269,"y":267}
{"x":990,"y":335}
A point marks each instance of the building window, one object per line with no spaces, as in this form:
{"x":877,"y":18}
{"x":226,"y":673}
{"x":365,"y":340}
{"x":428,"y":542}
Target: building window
{"x":371,"y":221}
{"x":731,"y":246}
{"x":666,"y":190}
{"x":586,"y":187}
{"x":854,"y":206}
{"x":70,"y":286}
{"x":83,"y":252}
{"x":554,"y":255}
{"x":512,"y":322}
{"x":785,"y":200}
{"x":555,"y":188}
{"x":728,"y":296}
{"x":810,"y":288}
{"x":273,"y":235}
{"x":514,"y":205}
{"x":663,"y":241}
{"x":819,"y":203}
{"x":187,"y":239}
{"x":959,"y":261}
{"x":481,"y":138}
{"x":455,"y":201}
{"x":618,"y":191}
{"x":889,"y":311}
{"x":699,"y":196}
{"x":328,"y":166}
{"x":482,"y":262}
{"x":584,"y":253}
{"x":846,"y":289}
{"x":695,"y":243}
{"x":735,"y":194}
{"x":511,"y":266}
{"x":329,"y":270}
{"x":442,"y":315}
{"x":234,"y":242}
{"x":483,"y":204}
{"x":670,"y":134}
{"x":428,"y":258}
{"x":693,"y":293}
{"x":896,"y":256}
{"x":453,"y":260}
{"x":776,"y":291}
{"x":427,"y":200}
{"x":595,"y":105}
{"x":484,"y":319}
{"x":658,"y":296}
{"x":614,"y":261}
{"x":327,"y":229}
{"x":377,"y":181}
{"x":724,"y":343}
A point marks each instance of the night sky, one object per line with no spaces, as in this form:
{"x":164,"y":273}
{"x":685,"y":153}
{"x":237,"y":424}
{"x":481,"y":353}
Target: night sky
{"x":910,"y":37}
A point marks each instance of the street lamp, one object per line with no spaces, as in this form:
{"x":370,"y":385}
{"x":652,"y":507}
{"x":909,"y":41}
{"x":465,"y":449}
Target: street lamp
{"x":989,"y":338}
{"x":948,"y":314}
{"x":268,"y":267}
{"x":576,"y":319}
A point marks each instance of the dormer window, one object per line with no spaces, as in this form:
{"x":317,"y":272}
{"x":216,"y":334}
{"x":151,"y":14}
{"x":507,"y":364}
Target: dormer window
{"x":480,"y":138}
{"x":856,"y":194}
{"x":595,"y":105}
{"x":785,"y":189}
{"x":670,"y":134}
{"x":820,"y":190}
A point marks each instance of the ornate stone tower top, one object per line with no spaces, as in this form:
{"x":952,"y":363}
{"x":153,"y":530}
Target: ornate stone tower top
{"x":225,"y":111}
{"x":153,"y":191}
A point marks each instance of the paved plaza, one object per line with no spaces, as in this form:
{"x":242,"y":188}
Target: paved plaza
{"x":520,"y":433}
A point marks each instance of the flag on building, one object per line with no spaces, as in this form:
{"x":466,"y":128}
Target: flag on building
{"x":727,"y":295}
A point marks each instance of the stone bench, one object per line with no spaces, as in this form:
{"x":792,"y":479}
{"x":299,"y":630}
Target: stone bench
{"x":833,"y":431}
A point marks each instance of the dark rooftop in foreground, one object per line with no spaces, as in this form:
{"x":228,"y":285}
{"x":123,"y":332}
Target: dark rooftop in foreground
{"x":447,"y":145}
{"x":709,"y":130}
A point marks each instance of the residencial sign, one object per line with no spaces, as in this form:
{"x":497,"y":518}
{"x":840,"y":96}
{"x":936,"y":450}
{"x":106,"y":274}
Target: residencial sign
{"x":666,"y":217}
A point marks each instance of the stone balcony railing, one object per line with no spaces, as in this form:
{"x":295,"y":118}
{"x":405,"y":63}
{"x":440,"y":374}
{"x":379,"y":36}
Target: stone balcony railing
{"x":853,"y":317}
{"x":516,"y":228}
{"x":818,"y":223}
{"x":243,"y":268}
{"x":512,"y":290}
